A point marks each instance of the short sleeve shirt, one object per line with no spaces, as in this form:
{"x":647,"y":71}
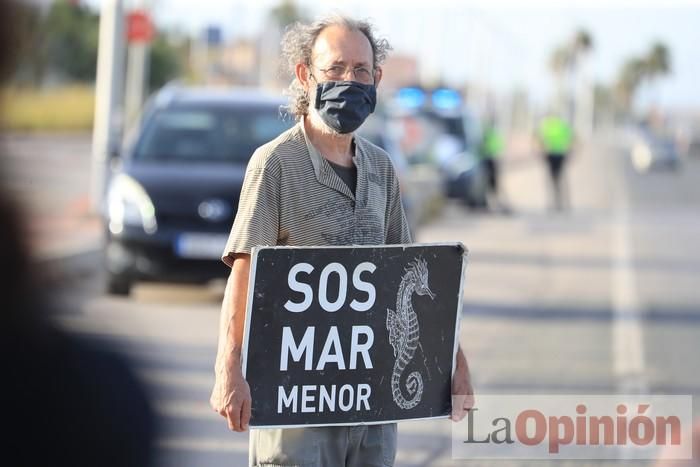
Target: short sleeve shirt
{"x":292,"y":196}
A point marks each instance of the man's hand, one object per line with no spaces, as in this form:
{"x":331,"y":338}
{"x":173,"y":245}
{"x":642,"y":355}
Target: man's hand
{"x":462,"y":391}
{"x":231,"y":394}
{"x":235,"y":402}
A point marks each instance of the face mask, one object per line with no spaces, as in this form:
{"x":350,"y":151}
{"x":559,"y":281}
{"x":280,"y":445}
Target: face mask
{"x":344,"y":105}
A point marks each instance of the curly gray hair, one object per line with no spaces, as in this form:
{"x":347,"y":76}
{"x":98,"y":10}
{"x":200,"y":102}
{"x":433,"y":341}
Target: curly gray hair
{"x":298,"y":42}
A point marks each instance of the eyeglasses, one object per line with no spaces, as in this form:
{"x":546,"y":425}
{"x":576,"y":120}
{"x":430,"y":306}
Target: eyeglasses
{"x":338,"y":72}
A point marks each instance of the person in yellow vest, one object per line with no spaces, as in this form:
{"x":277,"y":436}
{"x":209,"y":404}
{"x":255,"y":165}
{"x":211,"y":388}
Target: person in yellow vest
{"x":556,"y":138}
{"x":490,"y":151}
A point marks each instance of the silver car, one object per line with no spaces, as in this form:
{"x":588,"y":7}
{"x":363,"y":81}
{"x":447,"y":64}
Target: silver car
{"x":652,"y":151}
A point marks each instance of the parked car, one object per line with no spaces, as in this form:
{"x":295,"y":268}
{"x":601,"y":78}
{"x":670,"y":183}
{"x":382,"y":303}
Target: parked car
{"x":652,"y":151}
{"x":174,"y":193}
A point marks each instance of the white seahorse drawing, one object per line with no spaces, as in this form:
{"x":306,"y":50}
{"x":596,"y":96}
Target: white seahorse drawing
{"x":402,"y":325}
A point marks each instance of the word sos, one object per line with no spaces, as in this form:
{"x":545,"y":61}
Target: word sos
{"x":298,"y":283}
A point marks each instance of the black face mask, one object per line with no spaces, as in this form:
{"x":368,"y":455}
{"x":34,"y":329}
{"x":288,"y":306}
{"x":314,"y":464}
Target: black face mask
{"x":344,"y":105}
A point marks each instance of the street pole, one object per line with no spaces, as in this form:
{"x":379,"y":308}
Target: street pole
{"x":137,"y":67}
{"x":136,"y":79}
{"x":109,"y":84}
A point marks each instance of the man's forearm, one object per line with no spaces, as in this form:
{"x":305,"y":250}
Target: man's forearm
{"x":237,"y":291}
{"x":231,"y":394}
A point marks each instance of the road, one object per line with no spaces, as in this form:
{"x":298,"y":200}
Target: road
{"x":601,"y":299}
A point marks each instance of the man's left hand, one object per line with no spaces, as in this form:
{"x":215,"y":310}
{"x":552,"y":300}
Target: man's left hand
{"x":462,"y":391}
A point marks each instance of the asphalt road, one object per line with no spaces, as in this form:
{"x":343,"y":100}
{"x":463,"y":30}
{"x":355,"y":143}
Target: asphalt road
{"x":601,"y":299}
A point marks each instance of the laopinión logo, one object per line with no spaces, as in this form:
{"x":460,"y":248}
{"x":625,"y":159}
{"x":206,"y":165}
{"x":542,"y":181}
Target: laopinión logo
{"x":575,"y":427}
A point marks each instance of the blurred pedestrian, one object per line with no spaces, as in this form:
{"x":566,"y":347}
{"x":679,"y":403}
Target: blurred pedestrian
{"x":302,"y":189}
{"x":66,"y":401}
{"x":556,"y":139}
{"x":490,"y":151}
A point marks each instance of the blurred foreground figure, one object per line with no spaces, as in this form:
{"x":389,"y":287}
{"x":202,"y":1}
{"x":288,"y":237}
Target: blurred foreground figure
{"x":556,"y":138}
{"x":66,"y":402}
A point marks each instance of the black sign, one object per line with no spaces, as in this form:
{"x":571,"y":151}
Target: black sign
{"x":350,"y":335}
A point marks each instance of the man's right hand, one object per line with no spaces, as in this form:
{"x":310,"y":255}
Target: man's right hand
{"x":236,"y":402}
{"x":231,"y":394}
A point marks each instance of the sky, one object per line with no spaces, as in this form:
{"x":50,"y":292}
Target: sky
{"x":497,"y":42}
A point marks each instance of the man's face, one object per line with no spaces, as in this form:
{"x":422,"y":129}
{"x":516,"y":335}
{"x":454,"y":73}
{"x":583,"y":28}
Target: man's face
{"x":338,"y":46}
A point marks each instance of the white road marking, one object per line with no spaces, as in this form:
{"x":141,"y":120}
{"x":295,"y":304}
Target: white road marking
{"x":628,"y":340}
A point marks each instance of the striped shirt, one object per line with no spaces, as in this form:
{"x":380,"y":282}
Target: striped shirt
{"x":292,"y":196}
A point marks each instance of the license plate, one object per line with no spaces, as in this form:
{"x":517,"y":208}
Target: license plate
{"x":200,"y":246}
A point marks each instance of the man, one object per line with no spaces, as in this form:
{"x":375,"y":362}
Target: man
{"x":316,"y":184}
{"x":490,"y":149}
{"x":556,"y":138}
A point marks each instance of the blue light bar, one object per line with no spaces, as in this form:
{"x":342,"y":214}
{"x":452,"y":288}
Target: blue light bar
{"x":410,"y":98}
{"x":446,"y":99}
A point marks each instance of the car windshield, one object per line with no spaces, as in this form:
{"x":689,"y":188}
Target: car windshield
{"x":228,"y":135}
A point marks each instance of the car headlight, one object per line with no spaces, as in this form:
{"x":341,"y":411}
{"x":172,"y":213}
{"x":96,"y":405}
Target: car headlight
{"x":129,"y":204}
{"x":641,"y":157}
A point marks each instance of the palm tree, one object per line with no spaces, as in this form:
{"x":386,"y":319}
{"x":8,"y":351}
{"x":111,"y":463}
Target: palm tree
{"x":658,"y":61}
{"x":559,"y":60}
{"x":566,"y":57}
{"x":658,"y":64}
{"x":581,"y":107}
{"x":565,"y":62}
{"x":631,"y":76}
{"x":286,"y":13}
{"x":583,"y":43}
{"x":640,"y":71}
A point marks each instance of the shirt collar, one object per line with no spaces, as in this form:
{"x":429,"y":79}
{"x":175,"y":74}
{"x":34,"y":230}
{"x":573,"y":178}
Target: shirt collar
{"x":325,"y":173}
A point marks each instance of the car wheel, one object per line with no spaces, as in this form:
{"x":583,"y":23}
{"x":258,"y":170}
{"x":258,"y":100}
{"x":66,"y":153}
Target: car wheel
{"x":118,"y":285}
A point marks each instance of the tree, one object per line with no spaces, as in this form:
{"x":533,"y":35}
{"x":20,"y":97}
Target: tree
{"x":583,"y":43}
{"x":646,"y":70}
{"x":72,"y":34}
{"x":60,"y":42}
{"x":286,"y":13}
{"x":559,"y":60}
{"x":630,"y":78}
{"x":567,"y":57}
{"x":166,"y":62}
{"x":31,"y":45}
{"x":565,"y":62}
{"x":658,"y":61}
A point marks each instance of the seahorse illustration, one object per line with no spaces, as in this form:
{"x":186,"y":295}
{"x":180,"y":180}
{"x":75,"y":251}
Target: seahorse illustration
{"x":402,"y":325}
